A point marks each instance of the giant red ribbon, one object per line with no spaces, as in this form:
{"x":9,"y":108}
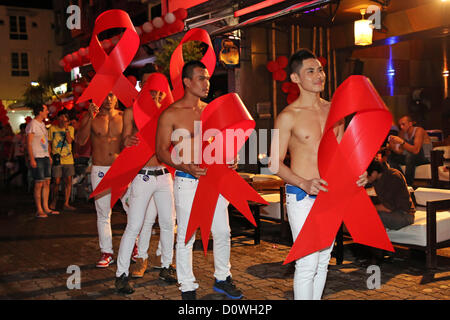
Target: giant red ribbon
{"x":109,"y":68}
{"x":341,"y":165}
{"x":146,"y":114}
{"x":226,"y":113}
{"x":177,"y":61}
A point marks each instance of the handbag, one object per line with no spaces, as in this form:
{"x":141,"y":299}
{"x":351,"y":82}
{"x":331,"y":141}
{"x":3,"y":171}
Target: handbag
{"x":57,"y":156}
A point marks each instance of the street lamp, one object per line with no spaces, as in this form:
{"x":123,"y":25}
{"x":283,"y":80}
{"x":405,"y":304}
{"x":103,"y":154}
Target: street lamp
{"x":363,"y":31}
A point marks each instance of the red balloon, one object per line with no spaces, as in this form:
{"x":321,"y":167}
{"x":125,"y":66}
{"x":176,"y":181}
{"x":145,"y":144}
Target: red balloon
{"x":68,"y":58}
{"x":67,"y":68}
{"x":279,"y":75}
{"x":293,"y":88}
{"x":282,"y":62}
{"x":323,"y":61}
{"x":291,"y":98}
{"x":179,"y":24}
{"x":181,"y":13}
{"x":76,"y":59}
{"x":285,"y":87}
{"x":85,"y":59}
{"x":272,"y":66}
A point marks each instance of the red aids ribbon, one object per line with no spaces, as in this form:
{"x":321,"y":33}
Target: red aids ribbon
{"x":341,"y":164}
{"x":146,"y":114}
{"x":177,"y":61}
{"x":232,"y":123}
{"x":109,"y":68}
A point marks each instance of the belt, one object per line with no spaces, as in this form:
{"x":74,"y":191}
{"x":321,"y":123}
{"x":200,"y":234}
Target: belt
{"x":300,"y":193}
{"x":184,"y":175}
{"x":155,"y":173}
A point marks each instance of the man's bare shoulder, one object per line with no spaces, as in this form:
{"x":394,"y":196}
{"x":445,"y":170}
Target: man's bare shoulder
{"x":170,"y":112}
{"x":287,"y":116}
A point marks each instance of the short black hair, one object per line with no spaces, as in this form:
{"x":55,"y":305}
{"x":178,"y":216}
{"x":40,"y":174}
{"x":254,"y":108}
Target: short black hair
{"x":22,"y":126}
{"x":375,"y":165}
{"x":296,"y":60}
{"x":188,"y":69}
{"x":37,"y":108}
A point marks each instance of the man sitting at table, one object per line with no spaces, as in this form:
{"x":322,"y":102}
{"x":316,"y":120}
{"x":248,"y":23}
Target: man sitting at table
{"x":412,"y":148}
{"x":393,"y":203}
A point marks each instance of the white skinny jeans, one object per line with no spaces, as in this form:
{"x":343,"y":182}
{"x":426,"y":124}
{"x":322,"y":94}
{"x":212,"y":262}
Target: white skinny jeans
{"x":310,"y":271}
{"x":184,"y":192}
{"x":142,"y":190}
{"x":103,"y":209}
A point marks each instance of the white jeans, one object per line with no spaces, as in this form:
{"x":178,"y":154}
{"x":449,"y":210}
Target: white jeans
{"x":184,"y":192}
{"x":103,"y":208}
{"x":310,"y":271}
{"x":142,"y":213}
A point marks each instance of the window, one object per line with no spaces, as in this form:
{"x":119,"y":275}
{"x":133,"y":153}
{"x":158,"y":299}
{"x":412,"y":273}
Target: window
{"x":18,"y":28}
{"x":19,"y":64}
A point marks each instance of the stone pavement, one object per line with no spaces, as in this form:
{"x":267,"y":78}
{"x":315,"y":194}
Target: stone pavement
{"x":36,"y":255}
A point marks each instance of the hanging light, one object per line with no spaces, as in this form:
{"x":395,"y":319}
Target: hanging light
{"x":363,"y":31}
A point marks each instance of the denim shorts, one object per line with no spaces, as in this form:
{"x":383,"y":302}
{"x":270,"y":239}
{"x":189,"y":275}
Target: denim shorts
{"x":43,"y":169}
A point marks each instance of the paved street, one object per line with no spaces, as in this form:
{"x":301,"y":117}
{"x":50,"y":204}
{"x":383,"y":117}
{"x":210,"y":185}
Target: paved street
{"x":35,"y":255}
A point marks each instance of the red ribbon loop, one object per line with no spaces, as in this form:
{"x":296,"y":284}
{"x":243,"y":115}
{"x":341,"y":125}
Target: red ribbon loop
{"x":224,"y":113}
{"x":341,"y":165}
{"x":132,"y":159}
{"x":177,"y":61}
{"x":109,"y":68}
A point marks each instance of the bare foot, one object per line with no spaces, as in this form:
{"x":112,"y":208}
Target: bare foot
{"x":41,"y":215}
{"x":69,"y":207}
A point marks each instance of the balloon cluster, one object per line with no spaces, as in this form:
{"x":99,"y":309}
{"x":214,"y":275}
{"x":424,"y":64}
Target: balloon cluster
{"x":292,"y":90}
{"x":4,"y":119}
{"x":277,"y":68}
{"x":159,"y":27}
{"x":162,"y":27}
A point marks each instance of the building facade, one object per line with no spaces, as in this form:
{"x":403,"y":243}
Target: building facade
{"x":29,"y":50}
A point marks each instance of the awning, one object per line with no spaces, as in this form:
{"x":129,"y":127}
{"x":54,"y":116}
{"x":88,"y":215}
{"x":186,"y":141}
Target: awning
{"x":296,"y":8}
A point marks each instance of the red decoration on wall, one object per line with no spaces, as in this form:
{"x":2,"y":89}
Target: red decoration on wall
{"x":292,"y":91}
{"x":276,"y":67}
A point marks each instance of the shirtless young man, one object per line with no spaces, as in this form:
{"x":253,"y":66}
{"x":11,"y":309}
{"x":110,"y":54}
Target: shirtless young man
{"x":301,"y":126}
{"x":151,"y":192}
{"x":104,"y":127}
{"x":181,"y":116}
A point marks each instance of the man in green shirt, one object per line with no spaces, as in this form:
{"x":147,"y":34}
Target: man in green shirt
{"x":60,"y":138}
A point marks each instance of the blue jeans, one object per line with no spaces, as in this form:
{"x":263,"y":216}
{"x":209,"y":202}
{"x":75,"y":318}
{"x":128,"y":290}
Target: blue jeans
{"x":43,"y":169}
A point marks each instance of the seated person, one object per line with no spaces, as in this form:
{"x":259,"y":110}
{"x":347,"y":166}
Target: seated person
{"x":412,"y":148}
{"x":394,"y":205}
